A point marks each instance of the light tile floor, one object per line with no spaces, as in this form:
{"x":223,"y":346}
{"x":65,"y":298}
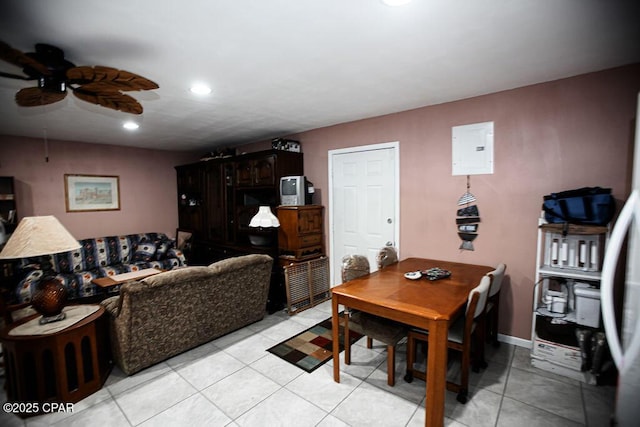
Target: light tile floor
{"x":233,"y":381}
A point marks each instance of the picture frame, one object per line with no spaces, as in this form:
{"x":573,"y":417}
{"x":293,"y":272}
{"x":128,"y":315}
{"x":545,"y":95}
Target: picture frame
{"x":90,"y":193}
{"x":183,"y":239}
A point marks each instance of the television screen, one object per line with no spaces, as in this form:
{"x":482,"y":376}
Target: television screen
{"x":289,"y":187}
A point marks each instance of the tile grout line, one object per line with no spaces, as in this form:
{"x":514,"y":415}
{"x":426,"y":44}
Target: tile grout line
{"x":504,"y":389}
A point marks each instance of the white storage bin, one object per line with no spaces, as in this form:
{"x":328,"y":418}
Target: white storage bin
{"x":587,"y":305}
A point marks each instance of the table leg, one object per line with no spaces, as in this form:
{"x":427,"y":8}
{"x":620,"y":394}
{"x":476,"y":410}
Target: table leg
{"x":335,"y":325}
{"x":436,"y":373}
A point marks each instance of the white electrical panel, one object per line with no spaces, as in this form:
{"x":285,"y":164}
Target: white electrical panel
{"x":472,"y":149}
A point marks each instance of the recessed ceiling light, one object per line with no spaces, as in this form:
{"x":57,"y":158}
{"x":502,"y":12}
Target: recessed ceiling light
{"x":200,"y":89}
{"x":130,"y":125}
{"x":395,"y":2}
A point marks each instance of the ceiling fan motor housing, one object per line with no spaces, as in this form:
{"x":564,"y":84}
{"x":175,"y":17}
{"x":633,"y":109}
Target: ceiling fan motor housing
{"x":52,"y":84}
{"x":53,"y":59}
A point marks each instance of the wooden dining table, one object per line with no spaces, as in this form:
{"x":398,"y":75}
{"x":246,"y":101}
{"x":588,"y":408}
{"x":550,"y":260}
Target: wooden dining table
{"x":425,"y":304}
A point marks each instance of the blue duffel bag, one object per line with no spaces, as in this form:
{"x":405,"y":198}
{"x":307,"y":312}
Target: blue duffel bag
{"x":584,"y":206}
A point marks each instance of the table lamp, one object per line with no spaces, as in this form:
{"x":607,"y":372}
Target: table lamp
{"x":41,"y":236}
{"x":263,"y":226}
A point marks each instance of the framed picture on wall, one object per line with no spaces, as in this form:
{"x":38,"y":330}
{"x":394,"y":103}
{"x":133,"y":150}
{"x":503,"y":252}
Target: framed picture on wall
{"x":85,"y":193}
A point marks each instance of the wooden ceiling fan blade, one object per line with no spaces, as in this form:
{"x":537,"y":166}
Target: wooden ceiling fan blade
{"x":15,"y":57}
{"x":119,"y":79}
{"x":110,"y":99}
{"x":35,"y":96}
{"x":15,"y":76}
{"x":100,"y":86}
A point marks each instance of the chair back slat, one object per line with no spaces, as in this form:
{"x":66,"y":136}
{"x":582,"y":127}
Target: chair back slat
{"x":498,"y":275}
{"x":482,"y":290}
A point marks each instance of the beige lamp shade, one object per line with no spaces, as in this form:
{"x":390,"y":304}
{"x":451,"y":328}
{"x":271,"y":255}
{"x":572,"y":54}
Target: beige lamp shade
{"x":36,"y":236}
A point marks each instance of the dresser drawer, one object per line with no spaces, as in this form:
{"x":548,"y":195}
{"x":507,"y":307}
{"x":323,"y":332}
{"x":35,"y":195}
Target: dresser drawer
{"x":309,"y":240}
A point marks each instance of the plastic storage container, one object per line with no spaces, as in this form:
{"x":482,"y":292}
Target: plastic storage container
{"x":587,"y":305}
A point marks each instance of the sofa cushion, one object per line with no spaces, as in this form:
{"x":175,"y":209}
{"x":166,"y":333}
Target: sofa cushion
{"x":79,"y":284}
{"x":27,"y":285}
{"x":194,"y":273}
{"x":119,"y":249}
{"x":162,"y":248}
{"x":148,"y":237}
{"x":125,"y":249}
{"x":176,"y":254}
{"x":95,"y":253}
{"x":67,"y":262}
{"x":144,"y":252}
{"x":165,"y":264}
{"x":112,"y":270}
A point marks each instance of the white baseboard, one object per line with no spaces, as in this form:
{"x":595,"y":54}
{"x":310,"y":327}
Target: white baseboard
{"x":515,"y":341}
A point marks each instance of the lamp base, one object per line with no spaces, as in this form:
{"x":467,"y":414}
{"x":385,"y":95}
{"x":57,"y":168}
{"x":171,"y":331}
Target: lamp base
{"x":50,"y":319}
{"x":49,"y":298}
{"x":262,"y":236}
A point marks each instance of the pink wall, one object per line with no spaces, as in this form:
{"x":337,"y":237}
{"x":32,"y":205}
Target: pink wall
{"x":549,"y":137}
{"x":147,"y":184}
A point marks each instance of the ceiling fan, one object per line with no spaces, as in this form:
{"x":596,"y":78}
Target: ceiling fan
{"x":98,"y":85}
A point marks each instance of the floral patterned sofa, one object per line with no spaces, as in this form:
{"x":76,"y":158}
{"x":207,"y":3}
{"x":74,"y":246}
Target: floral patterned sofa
{"x":100,"y":257}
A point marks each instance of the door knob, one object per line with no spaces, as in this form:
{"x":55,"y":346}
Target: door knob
{"x":389,"y":243}
{"x":389,"y":220}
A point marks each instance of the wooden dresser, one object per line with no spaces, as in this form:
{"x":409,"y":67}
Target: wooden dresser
{"x":301,"y":246}
{"x":300,"y":234}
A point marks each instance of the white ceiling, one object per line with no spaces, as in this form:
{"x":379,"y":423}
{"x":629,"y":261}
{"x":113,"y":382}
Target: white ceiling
{"x":278,"y":67}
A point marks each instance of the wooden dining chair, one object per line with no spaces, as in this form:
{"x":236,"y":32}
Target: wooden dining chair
{"x":492,"y":310}
{"x":460,"y":337}
{"x":356,"y":265}
{"x":386,"y":256}
{"x":373,"y":327}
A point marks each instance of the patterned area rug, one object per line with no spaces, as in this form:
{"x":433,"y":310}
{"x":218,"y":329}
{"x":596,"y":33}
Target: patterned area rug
{"x":312,"y":348}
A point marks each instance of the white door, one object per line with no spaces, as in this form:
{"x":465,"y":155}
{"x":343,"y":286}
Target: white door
{"x":363,"y":202}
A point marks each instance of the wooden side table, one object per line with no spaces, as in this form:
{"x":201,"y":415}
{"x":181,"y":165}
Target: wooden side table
{"x":64,"y":366}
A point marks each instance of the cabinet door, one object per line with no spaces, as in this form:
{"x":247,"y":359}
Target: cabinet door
{"x":244,"y":215}
{"x":310,"y":221}
{"x":189,"y":178}
{"x":215,"y":202}
{"x":230,"y":204}
{"x":257,"y":172}
{"x":190,"y":198}
{"x":190,"y":218}
{"x":264,"y":171}
{"x":243,"y":173}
